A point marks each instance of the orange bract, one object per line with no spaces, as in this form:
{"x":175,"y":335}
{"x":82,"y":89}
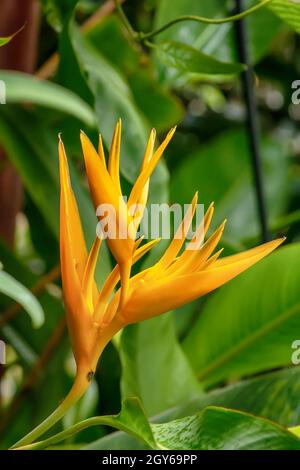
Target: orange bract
{"x":94,"y":316}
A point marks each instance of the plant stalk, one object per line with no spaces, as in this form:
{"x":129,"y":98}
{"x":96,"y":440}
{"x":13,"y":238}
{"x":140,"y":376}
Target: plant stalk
{"x":202,"y":19}
{"x":79,"y":387}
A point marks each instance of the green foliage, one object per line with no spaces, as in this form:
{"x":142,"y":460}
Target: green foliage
{"x":16,"y":291}
{"x":46,"y":94}
{"x":147,"y":350}
{"x":247,"y":340}
{"x":201,"y":377}
{"x":186,"y":59}
{"x":221,"y":429}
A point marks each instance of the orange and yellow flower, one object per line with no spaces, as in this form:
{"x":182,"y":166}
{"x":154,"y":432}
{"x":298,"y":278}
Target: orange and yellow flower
{"x":96,"y":315}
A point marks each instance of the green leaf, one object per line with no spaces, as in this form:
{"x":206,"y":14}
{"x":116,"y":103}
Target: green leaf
{"x":189,"y":60}
{"x":131,"y":419}
{"x":25,"y":88}
{"x":147,"y":350}
{"x":254,"y":321}
{"x":223,"y":429}
{"x":214,"y":40}
{"x":252,"y":396}
{"x":15,"y":290}
{"x":288,"y":11}
{"x":212,"y":429}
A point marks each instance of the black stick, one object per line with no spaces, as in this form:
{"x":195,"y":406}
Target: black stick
{"x":252,"y":119}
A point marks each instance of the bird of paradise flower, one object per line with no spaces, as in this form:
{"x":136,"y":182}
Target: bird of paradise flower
{"x":95,"y":316}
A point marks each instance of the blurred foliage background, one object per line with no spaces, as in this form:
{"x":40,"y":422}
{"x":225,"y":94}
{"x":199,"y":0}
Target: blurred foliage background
{"x":80,"y":69}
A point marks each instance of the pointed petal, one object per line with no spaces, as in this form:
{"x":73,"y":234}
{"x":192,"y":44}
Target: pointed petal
{"x":201,"y":231}
{"x":101,"y":151}
{"x":171,"y":293}
{"x":72,"y":258}
{"x":213,"y":258}
{"x":176,"y":244}
{"x":105,"y":195}
{"x":149,"y":168}
{"x":88,"y":283}
{"x":114,"y":157}
{"x":194,"y":259}
{"x":100,"y":182}
{"x":196,"y":241}
{"x":70,"y":224}
{"x":249,"y":254}
{"x":137,"y":210}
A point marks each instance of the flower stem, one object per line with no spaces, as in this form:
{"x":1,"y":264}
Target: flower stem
{"x":79,"y":387}
{"x":202,"y":19}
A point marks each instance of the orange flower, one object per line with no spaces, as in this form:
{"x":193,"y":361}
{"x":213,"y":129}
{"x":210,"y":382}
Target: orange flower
{"x":95,"y":316}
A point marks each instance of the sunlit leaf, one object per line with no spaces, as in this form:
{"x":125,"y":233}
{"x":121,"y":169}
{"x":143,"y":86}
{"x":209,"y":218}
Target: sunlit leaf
{"x":24,"y":88}
{"x":254,"y":319}
{"x":222,"y":429}
{"x":16,"y":291}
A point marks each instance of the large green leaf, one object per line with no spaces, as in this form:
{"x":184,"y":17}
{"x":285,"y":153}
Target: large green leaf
{"x":216,"y":40}
{"x":147,"y":351}
{"x":16,"y":291}
{"x":222,"y":429}
{"x":252,"y":396}
{"x":249,"y":325}
{"x":25,"y":88}
{"x":221,"y":171}
{"x":212,"y":429}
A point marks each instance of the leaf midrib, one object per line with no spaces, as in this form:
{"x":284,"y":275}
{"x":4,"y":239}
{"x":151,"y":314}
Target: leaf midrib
{"x":245,"y":343}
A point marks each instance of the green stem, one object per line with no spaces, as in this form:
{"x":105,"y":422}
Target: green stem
{"x":124,"y":19}
{"x":79,"y":387}
{"x":63,"y":435}
{"x":202,"y":19}
{"x":111,"y":421}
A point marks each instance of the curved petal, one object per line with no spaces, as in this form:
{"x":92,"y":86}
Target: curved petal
{"x":73,"y":258}
{"x":69,"y":216}
{"x":171,"y":293}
